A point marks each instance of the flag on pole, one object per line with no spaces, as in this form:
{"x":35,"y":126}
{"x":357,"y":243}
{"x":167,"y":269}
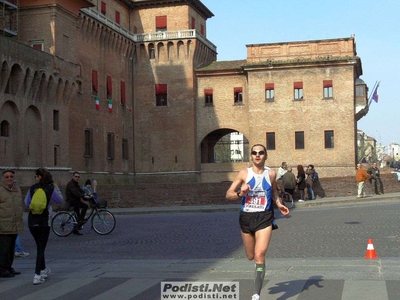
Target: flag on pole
{"x":110,"y":106}
{"x":130,"y":109}
{"x":97,"y":102}
{"x":375,"y":95}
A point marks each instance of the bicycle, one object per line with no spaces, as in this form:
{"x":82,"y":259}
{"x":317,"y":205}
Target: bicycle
{"x":102,"y":221}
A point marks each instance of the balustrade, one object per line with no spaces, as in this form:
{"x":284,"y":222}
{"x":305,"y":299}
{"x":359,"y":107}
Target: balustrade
{"x":150,"y":36}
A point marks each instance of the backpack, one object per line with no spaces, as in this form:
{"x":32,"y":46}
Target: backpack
{"x":315,"y":177}
{"x":39,"y":202}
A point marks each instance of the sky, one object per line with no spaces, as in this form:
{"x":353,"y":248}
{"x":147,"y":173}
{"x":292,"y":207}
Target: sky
{"x":375,"y":24}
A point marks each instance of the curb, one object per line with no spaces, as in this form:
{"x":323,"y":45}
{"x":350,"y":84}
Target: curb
{"x":236,"y":207}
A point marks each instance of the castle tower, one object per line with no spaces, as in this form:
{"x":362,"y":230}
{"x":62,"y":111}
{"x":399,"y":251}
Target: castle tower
{"x":171,"y":44}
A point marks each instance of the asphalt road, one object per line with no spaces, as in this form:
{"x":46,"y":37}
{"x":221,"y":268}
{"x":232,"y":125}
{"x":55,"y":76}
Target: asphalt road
{"x":317,"y":253}
{"x":339,"y":231}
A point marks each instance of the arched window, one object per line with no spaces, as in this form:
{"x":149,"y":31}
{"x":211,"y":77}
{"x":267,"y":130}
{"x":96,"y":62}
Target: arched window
{"x":5,"y":129}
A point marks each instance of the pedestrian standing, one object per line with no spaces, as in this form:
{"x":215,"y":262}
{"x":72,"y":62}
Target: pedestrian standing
{"x":361,"y":177}
{"x":310,"y":172}
{"x":19,"y":249}
{"x":11,"y":211}
{"x":289,"y":182}
{"x":301,"y":182}
{"x":256,"y":187}
{"x":375,"y":179}
{"x":281,"y":171}
{"x":39,"y":223}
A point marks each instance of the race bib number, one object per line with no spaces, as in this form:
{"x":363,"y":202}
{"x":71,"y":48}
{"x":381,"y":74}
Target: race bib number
{"x":255,"y":203}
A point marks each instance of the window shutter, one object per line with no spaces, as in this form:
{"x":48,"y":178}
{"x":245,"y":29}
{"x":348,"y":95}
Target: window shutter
{"x":208,"y":91}
{"x":298,"y":85}
{"x":161,"y":22}
{"x":193,"y":23}
{"x":123,"y":93}
{"x":161,"y":89}
{"x":95,"y":81}
{"x":327,"y":83}
{"x":117,"y":17}
{"x":269,"y":86}
{"x":237,"y":90}
{"x":38,"y":46}
{"x":109,"y":86}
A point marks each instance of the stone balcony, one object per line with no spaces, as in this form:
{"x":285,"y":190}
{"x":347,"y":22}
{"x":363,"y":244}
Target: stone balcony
{"x":151,"y":36}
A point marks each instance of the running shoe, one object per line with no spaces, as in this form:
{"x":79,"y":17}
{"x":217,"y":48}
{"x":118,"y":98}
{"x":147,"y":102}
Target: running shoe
{"x":38,"y":280}
{"x":21,"y":254}
{"x":45,"y":273}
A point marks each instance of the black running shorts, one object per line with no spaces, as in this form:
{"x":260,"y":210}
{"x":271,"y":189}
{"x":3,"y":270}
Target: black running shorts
{"x":250,"y":222}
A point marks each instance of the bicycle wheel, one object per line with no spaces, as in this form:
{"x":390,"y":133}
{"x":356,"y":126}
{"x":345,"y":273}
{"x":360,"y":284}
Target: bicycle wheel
{"x":103,"y":222}
{"x":63,"y":223}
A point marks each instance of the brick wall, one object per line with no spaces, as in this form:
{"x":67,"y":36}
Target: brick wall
{"x":313,"y":115}
{"x":186,"y":194}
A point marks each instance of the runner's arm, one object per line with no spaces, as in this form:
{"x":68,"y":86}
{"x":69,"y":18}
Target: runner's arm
{"x":234,"y":193}
{"x":275,"y":196}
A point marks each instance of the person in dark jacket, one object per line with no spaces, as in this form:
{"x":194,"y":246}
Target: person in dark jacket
{"x":74,"y":198}
{"x":375,"y":179}
{"x":39,"y":224}
{"x":289,"y":182}
{"x":310,"y":171}
{"x":301,"y":181}
{"x":11,"y":224}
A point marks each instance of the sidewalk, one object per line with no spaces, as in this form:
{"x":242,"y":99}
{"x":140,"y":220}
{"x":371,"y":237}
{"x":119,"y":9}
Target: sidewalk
{"x":139,"y":279}
{"x":236,"y":206}
{"x":295,"y":279}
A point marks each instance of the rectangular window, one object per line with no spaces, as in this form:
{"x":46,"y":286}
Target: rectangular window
{"x":328,"y":89}
{"x":298,"y":91}
{"x":329,"y":139}
{"x":117,"y":17}
{"x":193,"y":23}
{"x":38,"y":45}
{"x":88,"y":143}
{"x":95,"y":83}
{"x":56,"y":154}
{"x":202,"y":29}
{"x":161,"y":94}
{"x":269,"y":92}
{"x":161,"y":23}
{"x":238,"y":95}
{"x":299,"y":139}
{"x":270,"y":140}
{"x":125,"y":152}
{"x":152,"y":52}
{"x":5,"y":128}
{"x":109,"y":87}
{"x":56,"y":120}
{"x":208,"y":97}
{"x":123,"y":93}
{"x":103,"y":7}
{"x":360,"y":90}
{"x":110,"y":146}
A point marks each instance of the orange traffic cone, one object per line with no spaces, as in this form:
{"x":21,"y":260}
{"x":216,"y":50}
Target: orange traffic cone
{"x":371,"y":254}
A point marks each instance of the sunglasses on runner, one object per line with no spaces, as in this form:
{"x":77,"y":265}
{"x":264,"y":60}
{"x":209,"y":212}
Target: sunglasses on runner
{"x":259,"y":152}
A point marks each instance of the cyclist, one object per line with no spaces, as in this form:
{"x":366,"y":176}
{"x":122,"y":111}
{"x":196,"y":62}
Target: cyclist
{"x":74,"y":198}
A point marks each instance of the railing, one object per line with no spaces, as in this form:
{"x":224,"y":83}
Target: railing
{"x":149,"y":37}
{"x":10,"y":3}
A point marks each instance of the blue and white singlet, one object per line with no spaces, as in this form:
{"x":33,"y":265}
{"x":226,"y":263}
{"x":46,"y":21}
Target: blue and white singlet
{"x":259,"y":197}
